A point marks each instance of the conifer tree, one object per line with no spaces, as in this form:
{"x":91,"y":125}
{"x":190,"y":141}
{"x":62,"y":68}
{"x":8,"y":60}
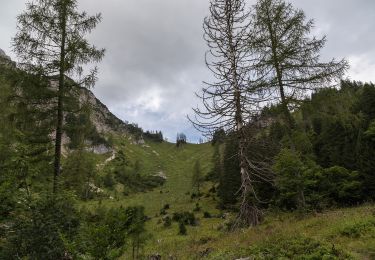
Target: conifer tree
{"x":288,"y":58}
{"x":288,"y":55}
{"x":51,"y":43}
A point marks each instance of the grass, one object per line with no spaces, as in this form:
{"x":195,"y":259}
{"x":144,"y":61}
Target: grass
{"x":337,"y":234}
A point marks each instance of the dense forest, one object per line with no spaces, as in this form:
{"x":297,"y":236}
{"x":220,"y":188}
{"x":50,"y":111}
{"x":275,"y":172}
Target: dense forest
{"x":331,"y":164}
{"x":291,"y":149}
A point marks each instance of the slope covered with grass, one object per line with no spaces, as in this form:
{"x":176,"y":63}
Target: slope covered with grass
{"x":338,"y":234}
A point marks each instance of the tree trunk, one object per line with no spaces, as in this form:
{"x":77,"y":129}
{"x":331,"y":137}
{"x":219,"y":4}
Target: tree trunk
{"x":284,"y":102}
{"x":276,"y":64}
{"x":249,"y":213}
{"x":60,"y":100}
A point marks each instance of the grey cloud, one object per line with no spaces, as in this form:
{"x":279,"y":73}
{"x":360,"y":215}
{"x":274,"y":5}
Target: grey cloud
{"x":348,"y":24}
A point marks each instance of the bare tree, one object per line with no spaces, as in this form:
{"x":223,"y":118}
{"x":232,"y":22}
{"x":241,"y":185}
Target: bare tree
{"x":50,"y":42}
{"x":232,"y":99}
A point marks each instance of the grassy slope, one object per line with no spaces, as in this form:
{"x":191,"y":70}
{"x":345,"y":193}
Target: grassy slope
{"x":206,"y":240}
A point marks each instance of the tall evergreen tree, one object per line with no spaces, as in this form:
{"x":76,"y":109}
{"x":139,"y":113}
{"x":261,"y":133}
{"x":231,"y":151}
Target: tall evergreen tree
{"x":288,"y":56}
{"x":51,"y":43}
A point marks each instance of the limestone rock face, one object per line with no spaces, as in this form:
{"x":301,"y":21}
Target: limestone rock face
{"x":102,"y":118}
{"x":100,"y":149}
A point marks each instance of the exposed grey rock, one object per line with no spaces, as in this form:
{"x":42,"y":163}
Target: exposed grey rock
{"x":100,"y":149}
{"x":162,"y":175}
{"x":141,"y":141}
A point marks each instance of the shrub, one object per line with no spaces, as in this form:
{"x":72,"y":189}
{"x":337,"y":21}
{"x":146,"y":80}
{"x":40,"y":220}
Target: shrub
{"x":108,"y":181}
{"x":207,"y":215}
{"x":356,"y":230}
{"x":167,"y":221}
{"x":163,"y":212}
{"x":212,"y":190}
{"x":188,"y":218}
{"x":106,"y":232}
{"x":289,"y":180}
{"x":340,"y":186}
{"x":182,"y":229}
{"x":197,"y":208}
{"x":194,"y":195}
{"x":43,"y":229}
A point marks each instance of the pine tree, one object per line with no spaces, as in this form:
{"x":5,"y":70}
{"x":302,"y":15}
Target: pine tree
{"x":50,"y":42}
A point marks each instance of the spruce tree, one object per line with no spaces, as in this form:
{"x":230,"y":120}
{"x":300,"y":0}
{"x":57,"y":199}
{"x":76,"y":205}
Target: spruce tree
{"x":51,"y":43}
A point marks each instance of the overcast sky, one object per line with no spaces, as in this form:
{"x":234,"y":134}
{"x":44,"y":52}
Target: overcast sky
{"x":155,"y":52}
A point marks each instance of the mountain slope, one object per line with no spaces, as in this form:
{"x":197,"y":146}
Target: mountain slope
{"x":337,"y":234}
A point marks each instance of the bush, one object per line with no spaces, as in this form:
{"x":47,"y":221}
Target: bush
{"x":186,"y":218}
{"x":197,"y":208}
{"x":163,"y":212}
{"x":356,"y":230}
{"x":290,"y":181}
{"x":43,"y":229}
{"x":207,"y":215}
{"x":108,"y":181}
{"x":194,"y":195}
{"x":340,"y":186}
{"x":106,"y":232}
{"x":212,"y":190}
{"x":167,"y":221}
{"x":182,"y":229}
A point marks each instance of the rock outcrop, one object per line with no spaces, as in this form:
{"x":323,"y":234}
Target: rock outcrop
{"x":102,"y":118}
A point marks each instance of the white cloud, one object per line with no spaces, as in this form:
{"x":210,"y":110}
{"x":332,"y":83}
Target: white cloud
{"x":362,"y":68}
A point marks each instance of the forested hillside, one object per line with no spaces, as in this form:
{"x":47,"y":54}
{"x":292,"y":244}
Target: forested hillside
{"x":331,"y":162}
